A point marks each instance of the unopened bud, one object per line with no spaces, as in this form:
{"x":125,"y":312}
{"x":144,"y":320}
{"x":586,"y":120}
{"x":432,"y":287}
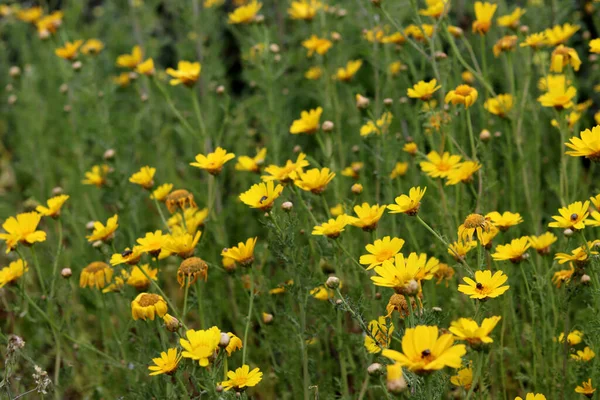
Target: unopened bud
{"x":109,"y":154}
{"x":12,"y":99}
{"x":267,"y":318}
{"x":100,"y":94}
{"x":377,"y":296}
{"x":403,"y":100}
{"x":485,"y":135}
{"x":497,"y":134}
{"x":568,"y":232}
{"x":8,"y":87}
{"x":297,"y":149}
{"x":259,"y":19}
{"x":388,"y":102}
{"x":277,"y":57}
{"x":355,"y":148}
{"x":333,"y":282}
{"x":585,"y":279}
{"x":339,"y":302}
{"x":361,"y":102}
{"x":342,"y":12}
{"x":327,"y":126}
{"x":97,"y":244}
{"x":89,"y":226}
{"x":586,"y":35}
{"x":336,"y":37}
{"x":171,"y":323}
{"x":274,"y":48}
{"x":66,"y":273}
{"x":220,"y":89}
{"x":77,"y":65}
{"x":224,"y":342}
{"x":375,"y":369}
{"x":219,"y":388}
{"x":524,"y":29}
{"x":67,"y":108}
{"x":144,"y":97}
{"x":396,"y":385}
{"x":440,"y":55}
{"x":287,"y":206}
{"x":14,"y":71}
{"x":57,"y":190}
{"x":64,"y":88}
{"x":357,"y":188}
{"x":436,"y":309}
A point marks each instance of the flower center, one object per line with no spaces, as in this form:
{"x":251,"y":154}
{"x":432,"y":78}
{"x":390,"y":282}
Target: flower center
{"x":463,"y":90}
{"x":479,"y":286}
{"x":474,"y":221}
{"x":148,"y":300}
{"x":574,"y":217}
{"x":96,"y":266}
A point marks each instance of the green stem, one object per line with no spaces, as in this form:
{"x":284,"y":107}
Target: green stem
{"x":160,"y":212}
{"x":200,"y":305}
{"x":56,"y":258}
{"x":38,"y":270}
{"x":248,"y":320}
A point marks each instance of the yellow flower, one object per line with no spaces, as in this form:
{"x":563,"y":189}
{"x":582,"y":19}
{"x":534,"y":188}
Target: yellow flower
{"x":468,"y":77}
{"x":596,"y":201}
{"x":408,"y":204}
{"x":560,"y":34}
{"x":468,"y":330}
{"x":559,"y":95}
{"x":182,"y":244}
{"x":318,"y":45}
{"x":399,"y":170}
{"x":587,"y":146}
{"x":504,"y":44}
{"x":419,"y":33}
{"x":395,"y":67}
{"x":423,"y":90}
{"x":459,"y":249}
{"x":514,"y":251}
{"x":395,"y":38}
{"x":424,"y":351}
{"x":308,"y":123}
{"x":187,"y":73}
{"x":367,"y":216}
{"x":505,"y":220}
{"x":573,"y":338}
{"x":242,"y":378}
{"x":180,"y":199}
{"x":235,"y":343}
{"x":532,"y":396}
{"x":484,"y":12}
{"x":563,"y":56}
{"x":92,"y":47}
{"x":572,"y":118}
{"x":410,"y":148}
{"x":436,"y":8}
{"x":194,"y":219}
{"x":579,"y":255}
{"x":213,"y":3}
{"x":123,"y":79}
{"x":314,"y":180}
{"x":166,"y":363}
{"x":380,"y":335}
{"x":137,"y":278}
{"x":381,"y":250}
{"x":201,"y":345}
{"x":146,"y":67}
{"x":213,"y":162}
{"x":463,"y":94}
{"x":95,"y":275}
{"x":14,"y":271}
{"x":463,"y":378}
{"x":161,"y":192}
{"x":585,"y":355}
{"x":444,"y":272}
{"x":499,"y":105}
{"x":573,"y":216}
{"x":474,"y":223}
{"x":190,"y":270}
{"x":563,"y":276}
{"x":485,"y":285}
{"x":313,"y":73}
{"x":147,"y":306}
{"x":462,"y":172}
{"x":586,"y":389}
{"x":542,"y":243}
{"x":333,"y":227}
{"x":144,"y":177}
{"x":70,"y":50}
{"x":251,"y":164}
{"x":97,"y":176}
{"x":595,"y":46}
{"x":379,"y":127}
{"x":535,"y":41}
{"x":104,"y":233}
{"x":336,"y":210}
{"x":286,"y":173}
{"x":31,"y":14}
{"x":511,"y":20}
{"x":304,"y":9}
{"x":245,"y":14}
{"x":242,"y":253}
{"x":22,"y":229}
{"x":49,"y":24}
{"x":322,"y":293}
{"x":54,"y":206}
{"x":399,"y":273}
{"x":130,"y":60}
{"x":345,"y":74}
{"x":439,"y":166}
{"x":261,"y":195}
{"x":128,"y":256}
{"x":353,"y":170}
{"x":154,"y":244}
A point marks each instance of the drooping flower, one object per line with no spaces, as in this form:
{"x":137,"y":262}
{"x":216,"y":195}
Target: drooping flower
{"x":573,"y":216}
{"x":243,"y":253}
{"x":333,"y":227}
{"x":419,"y":33}
{"x":213,"y":162}
{"x":314,"y":180}
{"x":411,"y":148}
{"x":146,"y":67}
{"x":187,"y":73}
{"x":484,"y":12}
{"x":586,"y":389}
{"x":588,"y":145}
{"x":423,"y":90}
{"x":251,"y":164}
{"x":381,"y":250}
{"x":469,"y":330}
{"x":436,"y":8}
{"x":201,"y":344}
{"x":182,"y":244}
{"x":308,"y":123}
{"x":580,"y":255}
{"x":261,"y":195}
{"x":504,"y":44}
{"x":511,"y":20}
{"x":144,"y":177}
{"x":313,"y":73}
{"x":380,"y":335}
{"x":95,"y":275}
{"x":138,"y":277}
{"x":190,"y":270}
{"x":49,"y":24}
{"x":12,"y":272}
{"x":563,"y":276}
{"x":242,"y":378}
{"x":499,"y":105}
{"x":180,"y":199}
{"x":102,"y":232}
{"x":423,"y":350}
{"x":346,"y":73}
{"x":148,"y":305}
{"x":166,"y":363}
{"x":563,"y":56}
{"x":408,"y":204}
{"x":439,"y":166}
{"x":485,"y":285}
{"x":463,"y":94}
{"x":367,"y":216}
{"x":573,"y":338}
{"x":444,"y":272}
{"x":54,"y":206}
{"x":474,"y":224}
{"x":235,"y":343}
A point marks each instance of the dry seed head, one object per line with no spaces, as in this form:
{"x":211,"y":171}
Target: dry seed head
{"x":333,"y":282}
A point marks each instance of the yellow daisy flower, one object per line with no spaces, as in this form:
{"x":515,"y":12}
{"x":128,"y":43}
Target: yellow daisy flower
{"x":308,"y":123}
{"x":12,"y":272}
{"x":573,"y":216}
{"x":514,"y":251}
{"x":469,"y":330}
{"x":242,"y":378}
{"x":245,"y":14}
{"x":243,"y":253}
{"x":367,"y":216}
{"x":201,"y":344}
{"x":346,"y":73}
{"x":484,"y":12}
{"x":144,"y":177}
{"x":166,"y":363}
{"x":381,"y":250}
{"x":54,"y":206}
{"x":148,"y":305}
{"x":423,"y":90}
{"x":439,"y":166}
{"x":130,"y":60}
{"x":213,"y":162}
{"x":485,"y":285}
{"x":408,"y":204}
{"x":588,"y":145}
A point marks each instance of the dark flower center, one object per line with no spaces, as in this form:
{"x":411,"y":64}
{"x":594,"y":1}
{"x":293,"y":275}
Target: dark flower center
{"x":574,"y":217}
{"x":425,"y":353}
{"x":479,"y":286}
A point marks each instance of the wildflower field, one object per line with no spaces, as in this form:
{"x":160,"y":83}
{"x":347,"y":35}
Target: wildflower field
{"x":299,"y":199}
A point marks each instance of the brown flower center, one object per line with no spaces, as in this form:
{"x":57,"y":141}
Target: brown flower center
{"x":96,"y":266}
{"x":148,"y":299}
{"x":475,"y":221}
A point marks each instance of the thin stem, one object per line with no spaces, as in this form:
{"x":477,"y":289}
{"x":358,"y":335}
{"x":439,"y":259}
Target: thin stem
{"x":160,"y":212}
{"x":38,"y":270}
{"x":56,"y":258}
{"x":200,"y":305}
{"x":248,"y":319}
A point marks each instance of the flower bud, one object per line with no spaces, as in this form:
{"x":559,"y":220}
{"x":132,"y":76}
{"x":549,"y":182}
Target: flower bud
{"x":327,"y":126}
{"x":224,"y":342}
{"x":297,"y":149}
{"x":336,"y":37}
{"x":219,"y":388}
{"x":97,"y":244}
{"x":287,"y":206}
{"x":355,"y":148}
{"x":267,"y":318}
{"x":485,"y":135}
{"x":171,"y":323}
{"x":333,"y":282}
{"x":568,"y":232}
{"x":388,"y":102}
{"x":64,"y":88}
{"x":57,"y":190}
{"x":220,"y":89}
{"x":585,"y":279}
{"x":67,"y":108}
{"x":109,"y":154}
{"x":436,"y":309}
{"x":9,"y":88}
{"x":440,"y":55}
{"x":497,"y":134}
{"x":89,"y":226}
{"x":524,"y":29}
{"x":274,"y":48}
{"x":375,"y":369}
{"x":14,"y":71}
{"x":361,"y":102}
{"x":339,"y":302}
{"x":77,"y":65}
{"x":66,"y":273}
{"x":357,"y":188}
{"x":12,"y":99}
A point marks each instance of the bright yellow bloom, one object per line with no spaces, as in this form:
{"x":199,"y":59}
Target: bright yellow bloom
{"x":596,"y":201}
{"x":336,"y":210}
{"x":505,"y":220}
{"x":380,"y":335}
{"x":304,"y":9}
{"x":395,"y":38}
{"x":308,"y":123}
{"x":54,"y":206}
{"x":463,"y":94}
{"x":287,"y":173}
{"x":586,"y":389}
{"x":423,"y":90}
{"x":49,"y":24}
{"x":187,"y":73}
{"x":137,"y":278}
{"x":573,"y":338}
{"x":70,"y":50}
{"x":123,"y":79}
{"x":353,"y":170}
{"x":104,"y":233}
{"x":579,"y":255}
{"x":201,"y":345}
{"x":333,"y":227}
{"x":563,"y":56}
{"x":459,"y":249}
{"x":315,"y":44}
{"x":462,"y":172}
{"x":588,"y":145}
{"x":513,"y":251}
{"x":380,"y":251}
{"x":532,"y":396}
{"x":213,"y":3}
{"x":439,"y":166}
{"x":245,"y":14}
{"x":95,"y":275}
{"x":194,"y":219}
{"x":379,"y":127}
{"x":92,"y":47}
{"x":251,"y":164}
{"x":213,"y":162}
{"x":559,"y":95}
{"x":542,"y":243}
{"x":535,"y":41}
{"x":419,"y":33}
{"x":563,"y":276}
{"x":314,"y":180}
{"x":161,"y":192}
{"x":585,"y":355}
{"x":436,"y":8}
{"x":261,"y":195}
{"x":322,"y":293}
{"x":243,"y":253}
{"x":22,"y":229}
{"x":97,"y":176}
{"x":424,"y":351}
{"x":144,"y":177}
{"x":511,"y":20}
{"x":504,"y":44}
{"x":166,"y":363}
{"x":399,"y":273}
{"x":408,"y":204}
{"x":399,"y":170}
{"x":154,"y":243}
{"x":242,"y":378}
{"x":595,"y":46}
{"x":146,"y":68}
{"x":183,"y":244}
{"x":14,"y":271}
{"x":573,"y":216}
{"x":130,"y":60}
{"x":499,"y":105}
{"x":313,"y":73}
{"x":367,"y":216}
{"x":484,"y":12}
{"x":345,"y":74}
{"x":31,"y":14}
{"x":467,"y":329}
{"x":572,"y":118}
{"x":485,"y":285}
{"x":410,"y":148}
{"x":560,"y":34}
{"x":457,"y":32}
{"x":463,"y":378}
{"x":128,"y":256}
{"x":235,"y":343}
